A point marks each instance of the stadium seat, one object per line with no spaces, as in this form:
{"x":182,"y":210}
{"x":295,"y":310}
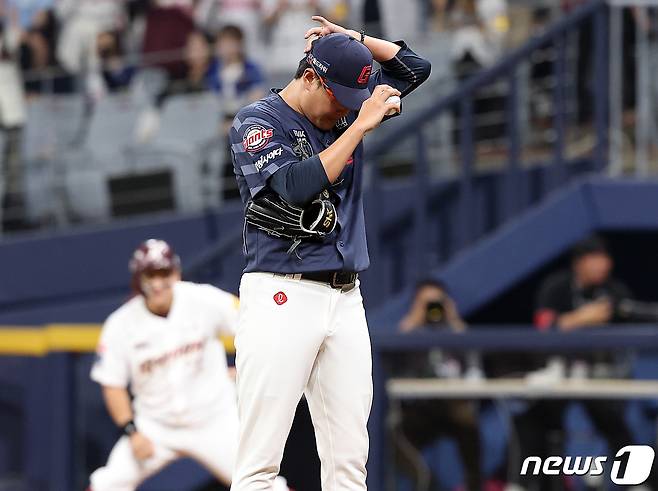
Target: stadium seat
{"x":53,"y":123}
{"x":69,"y":187}
{"x":185,"y":167}
{"x":188,"y":121}
{"x":187,"y":143}
{"x":52,"y":141}
{"x":111,"y":130}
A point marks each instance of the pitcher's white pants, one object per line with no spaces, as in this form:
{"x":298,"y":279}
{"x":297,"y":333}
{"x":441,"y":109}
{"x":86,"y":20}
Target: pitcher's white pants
{"x":315,"y":343}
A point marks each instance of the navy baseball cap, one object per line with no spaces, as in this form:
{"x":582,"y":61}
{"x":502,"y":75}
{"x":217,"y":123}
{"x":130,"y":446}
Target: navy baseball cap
{"x":345,"y":64}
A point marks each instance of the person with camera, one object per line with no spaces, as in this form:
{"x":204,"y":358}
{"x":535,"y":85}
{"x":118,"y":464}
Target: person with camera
{"x":421,"y":422}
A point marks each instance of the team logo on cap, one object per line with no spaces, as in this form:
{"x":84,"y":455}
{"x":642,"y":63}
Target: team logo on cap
{"x":256,"y":138}
{"x":365,"y":74}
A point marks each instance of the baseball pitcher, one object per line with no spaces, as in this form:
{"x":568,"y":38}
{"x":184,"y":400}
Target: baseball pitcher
{"x":298,"y":159}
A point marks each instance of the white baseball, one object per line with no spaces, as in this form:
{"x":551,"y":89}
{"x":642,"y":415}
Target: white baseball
{"x":394,"y":99}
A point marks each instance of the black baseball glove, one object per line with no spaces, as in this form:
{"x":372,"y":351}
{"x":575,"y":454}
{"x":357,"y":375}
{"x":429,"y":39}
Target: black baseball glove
{"x":277,"y":217}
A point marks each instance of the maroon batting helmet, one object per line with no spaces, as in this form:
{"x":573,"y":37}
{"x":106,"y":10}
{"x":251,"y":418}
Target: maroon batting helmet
{"x":152,"y":255}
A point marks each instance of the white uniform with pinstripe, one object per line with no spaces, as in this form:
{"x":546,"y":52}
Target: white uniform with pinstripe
{"x":184,"y":400}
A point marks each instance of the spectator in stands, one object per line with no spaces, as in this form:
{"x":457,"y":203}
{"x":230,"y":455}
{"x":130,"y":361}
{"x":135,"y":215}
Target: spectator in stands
{"x":238,"y":81}
{"x":117,"y":73}
{"x":584,"y":297}
{"x":421,"y":422}
{"x":167,"y":31}
{"x":213,"y":15}
{"x":196,"y":59}
{"x":82,"y":21}
{"x":400,"y":23}
{"x":481,"y":27}
{"x":440,"y":11}
{"x":29,"y":9}
{"x":12,"y":118}
{"x":42,"y":72}
{"x":287,"y":21}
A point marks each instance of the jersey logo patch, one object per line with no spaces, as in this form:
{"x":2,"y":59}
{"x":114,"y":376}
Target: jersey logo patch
{"x":342,"y":123}
{"x":98,"y":356}
{"x":256,"y":138}
{"x":280,"y":298}
{"x":302,"y":148}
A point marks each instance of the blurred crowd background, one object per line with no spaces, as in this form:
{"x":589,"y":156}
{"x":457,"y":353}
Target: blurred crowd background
{"x":516,"y":196}
{"x":96,"y":93}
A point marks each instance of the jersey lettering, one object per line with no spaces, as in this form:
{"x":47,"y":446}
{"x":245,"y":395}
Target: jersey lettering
{"x":149,"y":365}
{"x":265,"y":159}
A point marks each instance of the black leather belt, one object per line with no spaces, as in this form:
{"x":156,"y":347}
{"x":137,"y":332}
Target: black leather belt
{"x":342,"y":280}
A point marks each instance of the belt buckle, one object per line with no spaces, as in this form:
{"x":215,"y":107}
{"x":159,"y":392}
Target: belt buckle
{"x":344,"y":287}
{"x":347,"y":287}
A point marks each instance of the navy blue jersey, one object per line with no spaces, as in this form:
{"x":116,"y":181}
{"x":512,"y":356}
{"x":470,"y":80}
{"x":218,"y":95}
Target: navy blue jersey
{"x":269,"y":135}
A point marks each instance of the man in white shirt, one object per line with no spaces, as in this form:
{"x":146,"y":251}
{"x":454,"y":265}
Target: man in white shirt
{"x":81,"y":23}
{"x":163,"y":343}
{"x":287,"y":21}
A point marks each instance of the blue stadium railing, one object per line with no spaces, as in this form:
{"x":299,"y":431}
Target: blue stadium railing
{"x":463,"y":98}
